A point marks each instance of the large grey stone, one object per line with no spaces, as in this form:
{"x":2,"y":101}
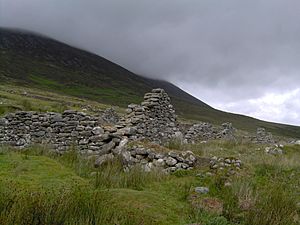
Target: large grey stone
{"x":107,"y":148}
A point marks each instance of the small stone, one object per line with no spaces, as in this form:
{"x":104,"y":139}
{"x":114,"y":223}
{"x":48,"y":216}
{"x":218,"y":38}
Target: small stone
{"x":141,"y":151}
{"x":215,"y":166}
{"x":21,"y":142}
{"x":107,"y":148}
{"x":171,"y":161}
{"x":83,"y":141}
{"x":214,"y":158}
{"x":201,"y":190}
{"x":227,"y":184}
{"x":228,"y":161}
{"x":160,"y":163}
{"x":147,"y":167}
{"x":209,"y":174}
{"x":97,"y":130}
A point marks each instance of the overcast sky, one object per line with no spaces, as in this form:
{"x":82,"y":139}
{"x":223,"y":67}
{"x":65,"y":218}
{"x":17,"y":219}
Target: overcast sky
{"x":238,"y":56}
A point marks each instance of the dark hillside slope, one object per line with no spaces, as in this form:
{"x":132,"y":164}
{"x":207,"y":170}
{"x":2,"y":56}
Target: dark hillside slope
{"x":34,"y":60}
{"x":30,"y":58}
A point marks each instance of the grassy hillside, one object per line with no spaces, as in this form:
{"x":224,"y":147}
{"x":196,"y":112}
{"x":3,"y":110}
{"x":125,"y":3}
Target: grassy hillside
{"x":37,"y":62}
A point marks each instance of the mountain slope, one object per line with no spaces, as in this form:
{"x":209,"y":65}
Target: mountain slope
{"x":37,"y":61}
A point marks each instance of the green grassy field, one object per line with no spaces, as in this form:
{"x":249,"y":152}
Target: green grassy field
{"x":40,"y":187}
{"x":14,"y":98}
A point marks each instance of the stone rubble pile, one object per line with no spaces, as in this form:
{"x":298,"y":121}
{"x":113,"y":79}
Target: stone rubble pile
{"x":206,"y":131}
{"x":230,"y":164}
{"x":274,"y":150}
{"x":227,"y":131}
{"x":110,"y":116}
{"x":154,"y":119}
{"x":200,"y":131}
{"x":168,"y":161}
{"x":263,"y":137}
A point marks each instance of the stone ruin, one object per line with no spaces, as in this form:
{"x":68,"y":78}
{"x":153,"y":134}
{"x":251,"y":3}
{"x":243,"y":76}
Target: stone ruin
{"x":263,"y":137}
{"x":154,"y":120}
{"x":230,"y":165}
{"x":206,"y":131}
{"x":200,"y":131}
{"x":150,"y":158}
{"x":107,"y":136}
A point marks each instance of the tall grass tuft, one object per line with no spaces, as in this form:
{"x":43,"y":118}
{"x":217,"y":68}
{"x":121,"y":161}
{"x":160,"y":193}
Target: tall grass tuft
{"x":70,"y":207}
{"x":175,"y":144}
{"x":27,"y":105}
{"x":273,"y":206}
{"x":113,"y":175}
{"x":78,"y":204}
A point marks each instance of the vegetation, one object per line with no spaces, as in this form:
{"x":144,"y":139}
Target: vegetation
{"x":38,"y":186}
{"x":14,"y":98}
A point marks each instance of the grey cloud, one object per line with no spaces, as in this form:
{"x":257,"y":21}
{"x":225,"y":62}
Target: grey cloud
{"x":226,"y":50}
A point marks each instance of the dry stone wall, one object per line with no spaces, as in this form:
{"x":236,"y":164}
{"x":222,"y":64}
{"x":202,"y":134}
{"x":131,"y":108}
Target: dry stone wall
{"x":60,"y":131}
{"x":154,"y":119}
{"x":206,"y":131}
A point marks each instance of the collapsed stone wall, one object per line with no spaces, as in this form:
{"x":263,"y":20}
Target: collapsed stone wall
{"x":206,"y":131}
{"x":168,"y":161}
{"x":88,"y":135}
{"x":154,"y":119}
{"x":229,"y":164}
{"x":263,"y":137}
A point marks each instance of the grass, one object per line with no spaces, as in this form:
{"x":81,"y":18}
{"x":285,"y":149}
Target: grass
{"x":107,"y":95}
{"x":63,"y":184}
{"x":67,"y":189}
{"x":14,"y":98}
{"x":112,"y":175}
